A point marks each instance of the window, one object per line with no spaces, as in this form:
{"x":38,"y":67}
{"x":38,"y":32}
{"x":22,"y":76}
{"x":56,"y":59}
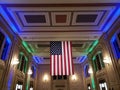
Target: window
{"x":116,"y":45}
{"x":2,"y":37}
{"x":118,"y":39}
{"x":19,"y":85}
{"x":103,"y":85}
{"x":4,"y":46}
{"x":117,"y":49}
{"x":62,"y":77}
{"x":22,"y":66}
{"x":98,"y":61}
{"x":31,"y":85}
{"x":88,"y":87}
{"x":5,"y":51}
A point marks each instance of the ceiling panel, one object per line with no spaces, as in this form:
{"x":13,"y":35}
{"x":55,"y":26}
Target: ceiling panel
{"x":81,"y":23}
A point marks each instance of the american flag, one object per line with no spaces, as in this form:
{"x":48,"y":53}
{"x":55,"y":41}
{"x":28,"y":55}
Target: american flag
{"x":61,"y":62}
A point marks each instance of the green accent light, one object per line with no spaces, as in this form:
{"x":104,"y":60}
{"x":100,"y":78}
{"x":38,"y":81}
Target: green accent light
{"x":93,"y":83}
{"x":93,"y":58}
{"x":93,"y":45}
{"x":26,"y":59}
{"x":21,"y":53}
{"x":28,"y":82}
{"x":94,"y":61}
{"x":20,"y":58}
{"x":28,"y":47}
{"x":95,"y":68}
{"x":31,"y":48}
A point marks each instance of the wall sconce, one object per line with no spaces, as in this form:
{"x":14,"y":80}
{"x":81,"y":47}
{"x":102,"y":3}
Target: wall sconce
{"x":106,"y":61}
{"x":30,"y":72}
{"x":90,"y":71}
{"x":15,"y":62}
{"x":74,"y":77}
{"x":45,"y":78}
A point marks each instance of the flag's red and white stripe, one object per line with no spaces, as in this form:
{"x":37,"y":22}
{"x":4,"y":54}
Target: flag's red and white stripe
{"x":63,"y":64}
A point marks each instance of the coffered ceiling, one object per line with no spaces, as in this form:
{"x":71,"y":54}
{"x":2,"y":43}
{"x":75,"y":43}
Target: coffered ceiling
{"x":58,"y":1}
{"x":81,"y":23}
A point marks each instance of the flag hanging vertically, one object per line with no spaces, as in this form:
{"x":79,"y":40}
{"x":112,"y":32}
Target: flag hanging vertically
{"x":61,"y":58}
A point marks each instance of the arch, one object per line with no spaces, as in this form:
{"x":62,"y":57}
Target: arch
{"x":22,"y":66}
{"x":98,"y":61}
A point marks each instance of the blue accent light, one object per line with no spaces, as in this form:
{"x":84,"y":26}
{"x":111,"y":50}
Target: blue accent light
{"x":37,"y":59}
{"x":82,"y":59}
{"x":115,"y":46}
{"x":11,"y":15}
{"x":85,"y":70}
{"x":2,"y":12}
{"x":34,"y":71}
{"x":115,"y":14}
{"x":10,"y":80}
{"x":6,"y":48}
{"x":8,"y":40}
{"x":113,"y":38}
